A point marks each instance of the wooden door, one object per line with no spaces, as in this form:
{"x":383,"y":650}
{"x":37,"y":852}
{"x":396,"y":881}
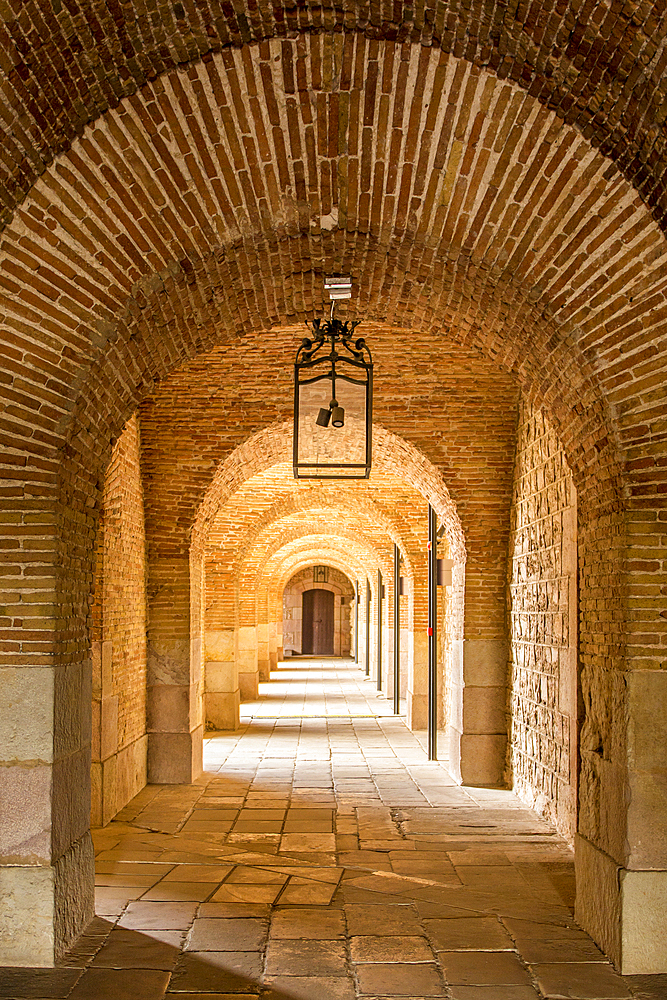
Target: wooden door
{"x":317,"y":623}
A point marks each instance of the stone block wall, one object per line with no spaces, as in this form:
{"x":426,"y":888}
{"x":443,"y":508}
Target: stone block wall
{"x":119,"y":635}
{"x":542,"y":623}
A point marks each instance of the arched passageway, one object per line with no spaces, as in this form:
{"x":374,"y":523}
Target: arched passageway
{"x":161,"y":242}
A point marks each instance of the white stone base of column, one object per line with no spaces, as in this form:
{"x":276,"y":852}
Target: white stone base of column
{"x":477,"y":760}
{"x":46,"y":908}
{"x":223,"y":709}
{"x":249,"y":686}
{"x":625,"y":912}
{"x":222,"y":695}
{"x":175,"y":758}
{"x":417,"y":711}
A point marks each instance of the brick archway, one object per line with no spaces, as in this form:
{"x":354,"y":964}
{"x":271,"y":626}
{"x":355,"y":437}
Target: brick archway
{"x":527,"y":258}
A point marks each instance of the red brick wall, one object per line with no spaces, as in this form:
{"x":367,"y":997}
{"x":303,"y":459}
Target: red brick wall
{"x":119,"y":616}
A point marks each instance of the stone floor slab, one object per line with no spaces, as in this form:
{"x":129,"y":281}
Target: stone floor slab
{"x":121,"y":984}
{"x":309,"y":988}
{"x":580,"y":981}
{"x":390,"y":949}
{"x":225,"y":934}
{"x":494,"y":993}
{"x":320,"y":923}
{"x":142,"y":915}
{"x":306,"y":958}
{"x":217,"y":971}
{"x":131,"y":949}
{"x":468,"y":934}
{"x":483,"y":968}
{"x":37,"y":984}
{"x":396,"y":980}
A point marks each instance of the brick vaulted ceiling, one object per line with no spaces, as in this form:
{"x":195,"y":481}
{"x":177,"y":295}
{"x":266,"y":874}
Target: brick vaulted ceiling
{"x":207,"y":206}
{"x":599,"y":65}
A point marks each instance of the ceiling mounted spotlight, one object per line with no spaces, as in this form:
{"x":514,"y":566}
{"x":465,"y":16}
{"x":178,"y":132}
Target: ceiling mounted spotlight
{"x":333,"y":388}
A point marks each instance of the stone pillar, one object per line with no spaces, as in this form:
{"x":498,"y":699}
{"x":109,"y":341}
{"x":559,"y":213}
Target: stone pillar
{"x":417,"y":686}
{"x":263,"y":660}
{"x":417,"y":694}
{"x":104,"y":736}
{"x":222,"y":695}
{"x":246,"y":662}
{"x":478,"y":722}
{"x":273,"y":646}
{"x":174,"y":719}
{"x":46,"y":852}
{"x":47,"y":873}
{"x":621,"y":848}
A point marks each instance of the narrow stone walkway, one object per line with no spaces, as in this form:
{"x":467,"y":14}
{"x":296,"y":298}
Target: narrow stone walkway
{"x":327,"y":859}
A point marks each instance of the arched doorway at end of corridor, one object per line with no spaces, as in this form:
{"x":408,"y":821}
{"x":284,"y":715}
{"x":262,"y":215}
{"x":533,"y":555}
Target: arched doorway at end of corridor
{"x":317,"y":605}
{"x":317,"y":622}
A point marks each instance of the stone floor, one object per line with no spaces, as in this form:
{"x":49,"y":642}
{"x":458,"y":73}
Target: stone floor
{"x":324,"y":858}
{"x":308,"y":688}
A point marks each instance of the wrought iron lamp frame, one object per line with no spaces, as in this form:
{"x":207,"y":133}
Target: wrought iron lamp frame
{"x":314,"y":364}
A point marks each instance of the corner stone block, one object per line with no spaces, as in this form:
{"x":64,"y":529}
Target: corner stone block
{"x":25,"y":817}
{"x":168,"y":708}
{"x":70,"y":801}
{"x":249,"y":686}
{"x":27,"y":718}
{"x":644,"y":928}
{"x":223,"y":710}
{"x":484,"y":711}
{"x":482,"y":760}
{"x":417,"y":711}
{"x":168,"y":662}
{"x":598,"y":900}
{"x":27,"y":932}
{"x":484,"y":663}
{"x":647,"y":758}
{"x":175,"y":758}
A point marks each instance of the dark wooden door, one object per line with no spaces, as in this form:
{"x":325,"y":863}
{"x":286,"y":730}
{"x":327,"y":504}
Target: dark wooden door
{"x":317,"y":623}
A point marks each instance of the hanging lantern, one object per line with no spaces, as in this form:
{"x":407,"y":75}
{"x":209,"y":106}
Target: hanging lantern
{"x":333,"y":394}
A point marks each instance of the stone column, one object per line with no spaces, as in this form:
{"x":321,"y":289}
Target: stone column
{"x":417,"y":694}
{"x":222,"y":695}
{"x":273,"y":646}
{"x":417,"y":691}
{"x":478,"y":724}
{"x":477,"y":728}
{"x":174,"y":719}
{"x":263,"y":661}
{"x":247,"y":661}
{"x":621,"y":848}
{"x":46,"y":853}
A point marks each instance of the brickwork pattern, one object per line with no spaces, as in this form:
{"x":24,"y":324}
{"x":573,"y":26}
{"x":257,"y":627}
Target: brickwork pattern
{"x":539,"y":608}
{"x":598,"y":67}
{"x":118,"y":631}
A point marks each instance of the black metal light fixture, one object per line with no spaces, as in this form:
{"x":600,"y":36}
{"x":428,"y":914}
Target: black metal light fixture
{"x":333,"y":397}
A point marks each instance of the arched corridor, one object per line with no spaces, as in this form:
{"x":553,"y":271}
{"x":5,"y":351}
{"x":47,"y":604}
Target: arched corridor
{"x":176,"y":181}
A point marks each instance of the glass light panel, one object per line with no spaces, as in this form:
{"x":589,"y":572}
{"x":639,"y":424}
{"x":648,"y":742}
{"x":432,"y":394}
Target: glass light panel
{"x":328,"y":449}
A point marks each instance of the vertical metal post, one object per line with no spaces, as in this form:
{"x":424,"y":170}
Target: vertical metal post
{"x":432,"y":636}
{"x":397,"y":630}
{"x":356,"y":621}
{"x":379,"y":649}
{"x":368,"y":628}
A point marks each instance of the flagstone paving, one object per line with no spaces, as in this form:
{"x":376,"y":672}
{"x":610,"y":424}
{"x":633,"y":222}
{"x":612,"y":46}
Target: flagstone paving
{"x":325,"y":858}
